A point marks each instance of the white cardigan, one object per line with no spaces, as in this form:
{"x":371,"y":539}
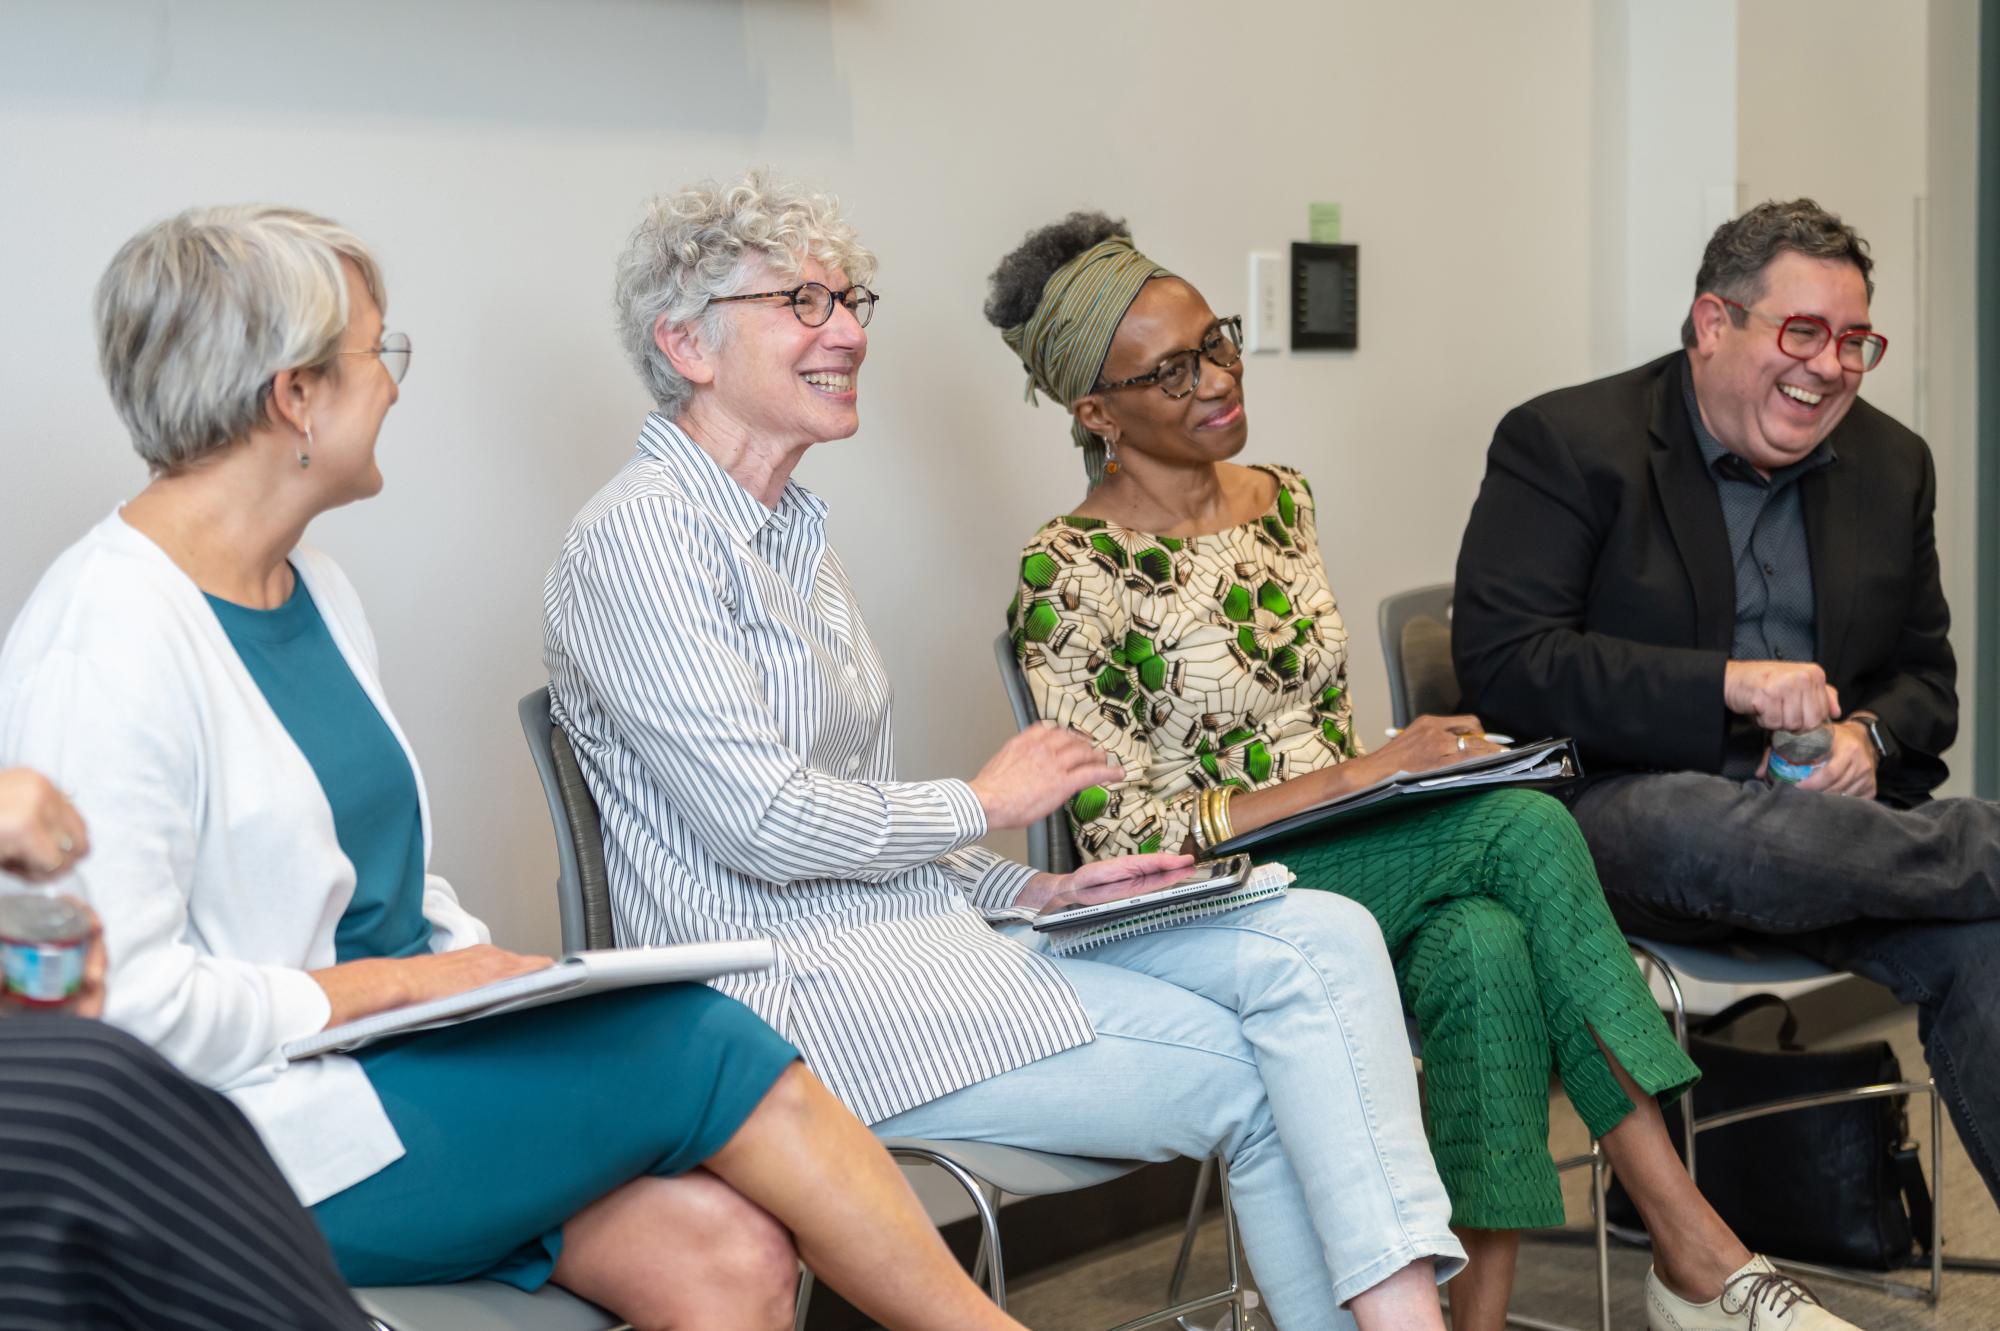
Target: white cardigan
{"x":213,"y":862}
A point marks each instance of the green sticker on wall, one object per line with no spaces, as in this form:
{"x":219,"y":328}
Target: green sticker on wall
{"x":1323,"y":223}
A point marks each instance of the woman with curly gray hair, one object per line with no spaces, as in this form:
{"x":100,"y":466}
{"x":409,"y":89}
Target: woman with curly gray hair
{"x":207,"y":686}
{"x":1181,"y":617}
{"x":731,"y":714}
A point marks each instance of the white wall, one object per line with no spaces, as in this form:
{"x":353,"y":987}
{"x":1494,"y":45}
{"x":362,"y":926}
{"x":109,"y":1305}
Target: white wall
{"x":495,"y":154}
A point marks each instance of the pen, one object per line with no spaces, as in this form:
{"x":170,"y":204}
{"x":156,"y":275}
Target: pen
{"x":1503,"y":740}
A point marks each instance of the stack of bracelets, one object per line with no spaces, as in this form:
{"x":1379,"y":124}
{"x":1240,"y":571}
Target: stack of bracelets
{"x":1211,"y":820}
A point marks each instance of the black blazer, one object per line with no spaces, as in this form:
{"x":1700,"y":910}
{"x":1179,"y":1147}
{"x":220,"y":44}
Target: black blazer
{"x":1596,"y":598}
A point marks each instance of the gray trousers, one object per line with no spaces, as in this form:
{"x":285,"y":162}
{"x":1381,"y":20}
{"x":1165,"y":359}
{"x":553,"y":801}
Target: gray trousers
{"x":1908,"y":898}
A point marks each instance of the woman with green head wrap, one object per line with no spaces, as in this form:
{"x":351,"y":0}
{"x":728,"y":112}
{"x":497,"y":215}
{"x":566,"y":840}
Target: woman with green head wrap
{"x":1181,"y":618}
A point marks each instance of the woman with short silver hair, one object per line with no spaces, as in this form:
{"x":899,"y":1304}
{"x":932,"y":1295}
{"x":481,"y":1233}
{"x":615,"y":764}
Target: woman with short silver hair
{"x":207,"y":687}
{"x":731,"y":713}
{"x":692,"y":255}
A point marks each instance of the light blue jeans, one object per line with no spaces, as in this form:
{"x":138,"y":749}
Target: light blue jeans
{"x":1273,"y":1036}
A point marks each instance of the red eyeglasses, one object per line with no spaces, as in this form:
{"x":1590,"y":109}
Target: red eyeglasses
{"x":1803,"y":336}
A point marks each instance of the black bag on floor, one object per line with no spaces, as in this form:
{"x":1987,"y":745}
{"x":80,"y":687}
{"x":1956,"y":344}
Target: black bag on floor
{"x":1838,"y":1184}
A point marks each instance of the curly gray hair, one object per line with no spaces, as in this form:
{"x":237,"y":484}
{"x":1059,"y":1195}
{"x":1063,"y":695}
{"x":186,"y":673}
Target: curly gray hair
{"x":196,"y":315}
{"x":703,"y":242}
{"x":1733,"y":264}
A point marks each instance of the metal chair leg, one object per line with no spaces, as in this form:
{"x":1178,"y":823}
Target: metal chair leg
{"x":991,"y":1263}
{"x":982,"y":1258}
{"x":989,"y":1218}
{"x":1195,"y":1207}
{"x":1937,"y":1193}
{"x":1238,"y":1315}
{"x":1658,"y":963}
{"x":1599,"y":1179}
{"x":802,"y":1301}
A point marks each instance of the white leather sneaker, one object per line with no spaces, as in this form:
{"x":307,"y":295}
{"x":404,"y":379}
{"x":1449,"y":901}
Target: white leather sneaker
{"x":1757,"y":1298}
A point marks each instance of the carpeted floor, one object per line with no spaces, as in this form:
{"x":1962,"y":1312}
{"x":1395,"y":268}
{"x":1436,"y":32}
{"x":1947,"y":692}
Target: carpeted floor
{"x":1558,"y":1280}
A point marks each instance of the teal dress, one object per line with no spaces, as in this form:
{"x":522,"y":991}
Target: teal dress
{"x":510,"y":1125}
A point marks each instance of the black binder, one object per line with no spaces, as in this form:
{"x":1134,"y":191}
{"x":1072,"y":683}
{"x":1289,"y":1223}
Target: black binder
{"x":1547,"y":762}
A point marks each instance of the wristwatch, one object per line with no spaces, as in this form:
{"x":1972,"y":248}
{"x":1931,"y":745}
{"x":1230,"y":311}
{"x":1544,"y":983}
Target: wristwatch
{"x":1887,"y":751}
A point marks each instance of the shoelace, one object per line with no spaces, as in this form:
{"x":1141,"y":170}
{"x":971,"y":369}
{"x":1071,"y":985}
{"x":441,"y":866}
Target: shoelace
{"x":1754,"y":1290}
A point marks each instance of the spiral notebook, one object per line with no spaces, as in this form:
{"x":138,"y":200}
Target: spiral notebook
{"x":1265,"y":881}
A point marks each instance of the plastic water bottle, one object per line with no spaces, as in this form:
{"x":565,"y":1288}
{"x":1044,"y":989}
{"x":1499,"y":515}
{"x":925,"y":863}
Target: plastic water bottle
{"x":1797,"y":754}
{"x":44,"y":941}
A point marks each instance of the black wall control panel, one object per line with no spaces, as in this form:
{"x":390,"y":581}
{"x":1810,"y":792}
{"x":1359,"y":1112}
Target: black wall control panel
{"x":1326,"y":297}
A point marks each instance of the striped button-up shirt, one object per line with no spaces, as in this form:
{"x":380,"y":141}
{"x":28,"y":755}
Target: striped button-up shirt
{"x":708,"y":660}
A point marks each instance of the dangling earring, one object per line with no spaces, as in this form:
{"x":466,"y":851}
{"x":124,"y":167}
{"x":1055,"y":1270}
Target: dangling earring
{"x":1110,"y":456}
{"x":305,"y":454}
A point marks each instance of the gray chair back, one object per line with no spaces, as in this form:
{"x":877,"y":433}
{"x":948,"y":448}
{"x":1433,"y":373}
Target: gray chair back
{"x":1050,"y":847}
{"x":1416,"y":645}
{"x":583,"y":889}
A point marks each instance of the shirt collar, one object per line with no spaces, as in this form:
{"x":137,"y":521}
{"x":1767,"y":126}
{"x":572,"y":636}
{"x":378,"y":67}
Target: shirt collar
{"x":1727,"y":465}
{"x":717,"y":491}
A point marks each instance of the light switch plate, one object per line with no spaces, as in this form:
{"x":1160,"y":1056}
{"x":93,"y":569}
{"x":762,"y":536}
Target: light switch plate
{"x":1264,"y":321}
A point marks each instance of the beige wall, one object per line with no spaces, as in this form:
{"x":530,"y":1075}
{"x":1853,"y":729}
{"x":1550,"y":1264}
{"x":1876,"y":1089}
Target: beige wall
{"x":1948,"y":391}
{"x":1898,"y":164}
{"x":1794,"y":139}
{"x":495,"y":154}
{"x":1663,"y":169}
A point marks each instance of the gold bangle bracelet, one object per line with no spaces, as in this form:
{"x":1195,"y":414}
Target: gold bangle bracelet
{"x":1198,"y":825}
{"x":1223,"y":830}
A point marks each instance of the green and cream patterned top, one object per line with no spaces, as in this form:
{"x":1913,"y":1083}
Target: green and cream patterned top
{"x":1194,"y":661}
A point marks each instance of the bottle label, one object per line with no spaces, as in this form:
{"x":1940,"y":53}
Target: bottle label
{"x":42,"y":973}
{"x":1791,"y":773}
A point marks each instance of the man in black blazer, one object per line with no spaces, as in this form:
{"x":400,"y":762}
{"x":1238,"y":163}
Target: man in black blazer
{"x":1671,"y":563}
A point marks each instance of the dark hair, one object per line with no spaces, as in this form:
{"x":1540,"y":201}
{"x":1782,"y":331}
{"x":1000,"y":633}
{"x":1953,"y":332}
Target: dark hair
{"x":1015,"y":288}
{"x":1741,"y":248}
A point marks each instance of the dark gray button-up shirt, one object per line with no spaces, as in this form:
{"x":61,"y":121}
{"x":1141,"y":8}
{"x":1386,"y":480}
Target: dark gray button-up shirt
{"x":1767,"y":545}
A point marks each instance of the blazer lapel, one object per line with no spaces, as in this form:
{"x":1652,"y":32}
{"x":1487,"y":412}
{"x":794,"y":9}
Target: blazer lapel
{"x":1694,"y":514}
{"x":1831,"y":497}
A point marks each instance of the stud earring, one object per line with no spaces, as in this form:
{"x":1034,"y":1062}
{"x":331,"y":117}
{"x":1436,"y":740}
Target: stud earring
{"x":305,"y":454}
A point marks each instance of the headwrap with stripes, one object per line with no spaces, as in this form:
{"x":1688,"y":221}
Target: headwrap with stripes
{"x":1064,"y":342}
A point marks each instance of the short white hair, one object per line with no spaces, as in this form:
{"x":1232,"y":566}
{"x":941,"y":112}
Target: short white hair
{"x":701,"y":243}
{"x":197,"y":314}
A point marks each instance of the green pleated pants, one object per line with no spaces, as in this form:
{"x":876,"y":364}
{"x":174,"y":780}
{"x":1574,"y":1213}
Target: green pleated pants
{"x":1509,"y":960}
